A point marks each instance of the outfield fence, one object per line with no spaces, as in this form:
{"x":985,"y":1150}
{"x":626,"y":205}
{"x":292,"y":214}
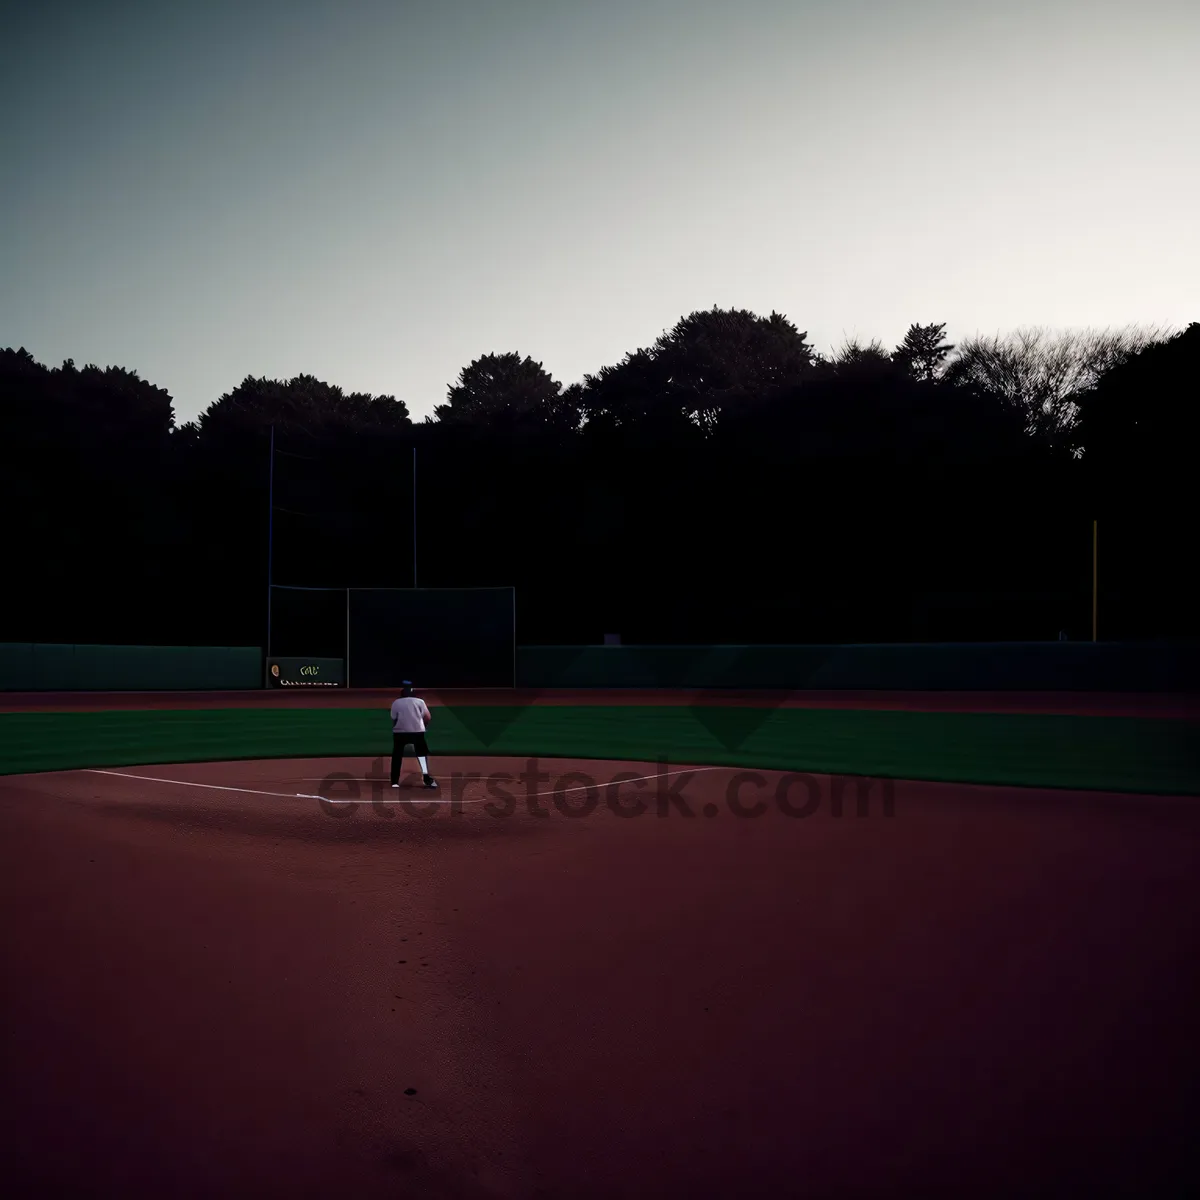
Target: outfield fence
{"x":48,"y":667}
{"x":997,"y":666}
{"x":993,"y":666}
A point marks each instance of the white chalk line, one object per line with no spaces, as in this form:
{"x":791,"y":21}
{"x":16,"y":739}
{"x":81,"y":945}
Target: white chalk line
{"x":217,"y":787}
{"x":528,"y":795}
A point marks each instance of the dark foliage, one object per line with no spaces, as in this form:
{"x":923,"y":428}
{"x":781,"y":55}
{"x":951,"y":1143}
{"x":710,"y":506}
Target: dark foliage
{"x":726,"y":484}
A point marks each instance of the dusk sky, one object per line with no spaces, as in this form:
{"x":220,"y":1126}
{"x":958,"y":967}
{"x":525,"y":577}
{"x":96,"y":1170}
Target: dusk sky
{"x":378,"y":193}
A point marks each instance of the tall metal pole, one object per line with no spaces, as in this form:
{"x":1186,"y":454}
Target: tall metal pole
{"x":1095,"y":597}
{"x":414,"y":519}
{"x":347,"y":637}
{"x":270,"y":535}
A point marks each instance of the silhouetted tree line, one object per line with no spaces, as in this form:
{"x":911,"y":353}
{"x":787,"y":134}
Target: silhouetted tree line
{"x":726,"y":484}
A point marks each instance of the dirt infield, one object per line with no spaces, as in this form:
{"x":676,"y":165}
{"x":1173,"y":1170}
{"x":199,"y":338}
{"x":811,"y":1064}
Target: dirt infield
{"x":217,"y":985}
{"x":1163,"y":705}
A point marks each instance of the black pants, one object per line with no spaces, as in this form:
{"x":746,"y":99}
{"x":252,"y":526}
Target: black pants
{"x":399,"y":741}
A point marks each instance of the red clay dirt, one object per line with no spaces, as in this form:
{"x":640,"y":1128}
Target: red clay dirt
{"x":1160,"y":705}
{"x":989,"y":993}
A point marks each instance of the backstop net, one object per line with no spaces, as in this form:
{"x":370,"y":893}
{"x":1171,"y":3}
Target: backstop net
{"x":437,"y":637}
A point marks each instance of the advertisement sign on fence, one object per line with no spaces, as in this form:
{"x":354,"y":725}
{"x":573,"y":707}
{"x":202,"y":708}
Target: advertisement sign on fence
{"x":306,"y":672}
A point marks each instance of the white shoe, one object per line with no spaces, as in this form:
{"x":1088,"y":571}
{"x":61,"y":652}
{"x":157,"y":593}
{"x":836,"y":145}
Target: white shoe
{"x":395,"y":785}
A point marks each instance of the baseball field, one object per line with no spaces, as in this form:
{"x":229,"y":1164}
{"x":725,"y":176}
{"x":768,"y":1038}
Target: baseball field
{"x":638,"y":944}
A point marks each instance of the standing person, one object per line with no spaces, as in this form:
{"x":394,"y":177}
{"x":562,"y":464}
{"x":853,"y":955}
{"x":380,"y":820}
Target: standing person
{"x":409,"y":715}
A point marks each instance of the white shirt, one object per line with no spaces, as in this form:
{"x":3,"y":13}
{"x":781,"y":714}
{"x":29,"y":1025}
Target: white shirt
{"x":409,"y":715}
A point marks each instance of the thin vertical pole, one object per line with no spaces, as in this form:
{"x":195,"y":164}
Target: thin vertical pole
{"x":270,"y":535}
{"x":347,"y":637}
{"x":414,"y":517}
{"x":1095,"y":597}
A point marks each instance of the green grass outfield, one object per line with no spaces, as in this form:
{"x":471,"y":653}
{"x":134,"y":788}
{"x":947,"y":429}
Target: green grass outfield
{"x":1034,"y":750}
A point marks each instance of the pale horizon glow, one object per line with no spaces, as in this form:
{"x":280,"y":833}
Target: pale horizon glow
{"x":378,"y":193}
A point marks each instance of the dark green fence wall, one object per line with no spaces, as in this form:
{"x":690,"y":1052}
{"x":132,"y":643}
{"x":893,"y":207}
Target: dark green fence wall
{"x":998,"y":666}
{"x":41,"y":667}
{"x":1035,"y":666}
